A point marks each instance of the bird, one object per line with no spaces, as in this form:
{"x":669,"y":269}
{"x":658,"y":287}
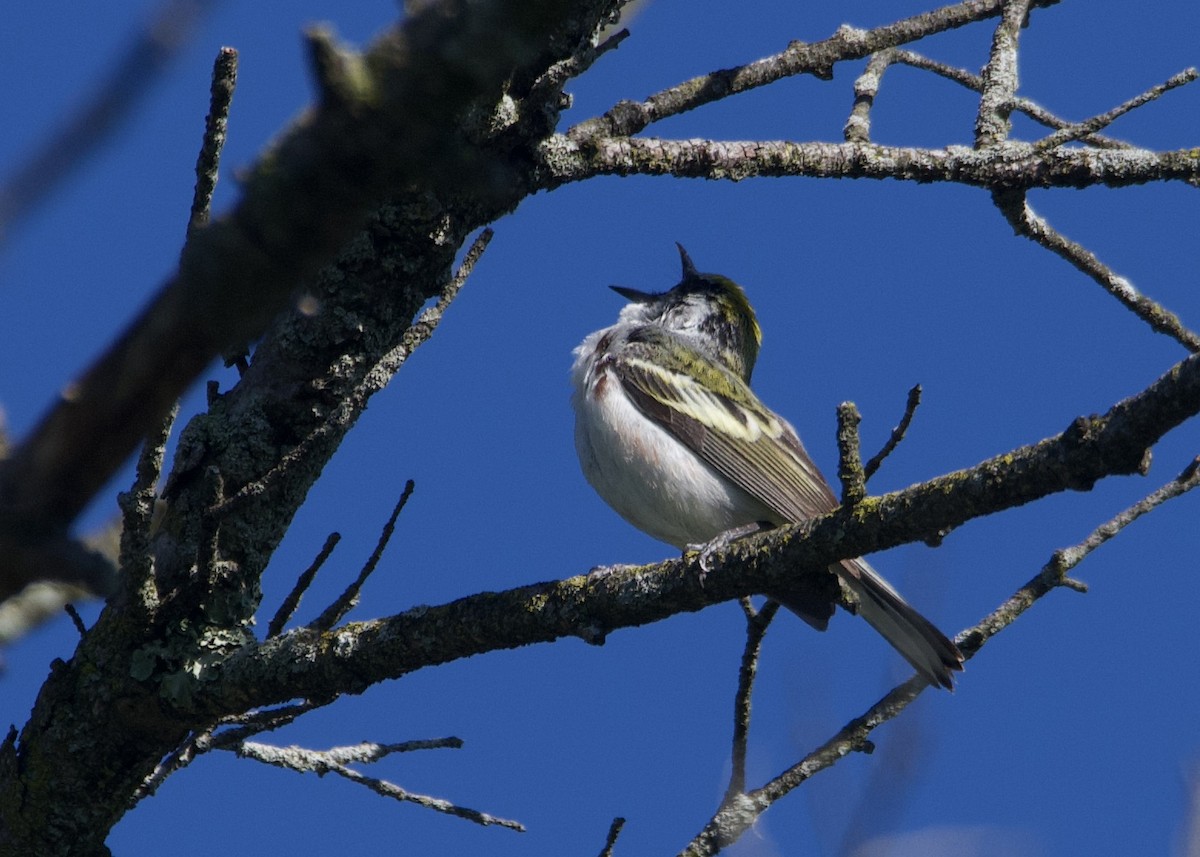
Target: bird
{"x":671,"y":436}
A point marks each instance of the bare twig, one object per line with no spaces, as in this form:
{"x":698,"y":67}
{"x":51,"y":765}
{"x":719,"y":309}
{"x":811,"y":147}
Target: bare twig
{"x":140,"y":505}
{"x":1000,"y":77}
{"x":558,"y":74}
{"x":757,"y":622}
{"x":1025,"y":221}
{"x":35,"y":604}
{"x":816,"y":58}
{"x":850,"y":469}
{"x":292,"y":601}
{"x":610,"y":841}
{"x":320,"y":761}
{"x":331,"y":762}
{"x":897,"y":435}
{"x":116,"y":94}
{"x":349,"y":598}
{"x":224,"y":80}
{"x":205,"y":740}
{"x":1020,"y":105}
{"x":70,"y":610}
{"x":1090,"y":126}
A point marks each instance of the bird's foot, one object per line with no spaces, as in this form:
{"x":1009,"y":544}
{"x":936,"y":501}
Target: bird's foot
{"x":711,"y":548}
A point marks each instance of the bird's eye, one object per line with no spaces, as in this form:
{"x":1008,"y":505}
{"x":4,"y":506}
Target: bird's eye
{"x":679,"y":317}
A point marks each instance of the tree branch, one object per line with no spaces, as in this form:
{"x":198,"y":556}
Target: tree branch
{"x":351,"y":658}
{"x":816,"y":58}
{"x":398,"y":124}
{"x":139,"y":66}
{"x":1019,"y":165}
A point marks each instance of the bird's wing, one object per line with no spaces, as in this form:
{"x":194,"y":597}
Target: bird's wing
{"x":716,"y":415}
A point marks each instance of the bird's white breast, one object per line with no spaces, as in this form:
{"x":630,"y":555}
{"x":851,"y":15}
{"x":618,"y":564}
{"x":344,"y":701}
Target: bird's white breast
{"x":643,"y":472}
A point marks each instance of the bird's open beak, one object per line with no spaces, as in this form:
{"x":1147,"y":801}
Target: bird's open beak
{"x":634,"y":295}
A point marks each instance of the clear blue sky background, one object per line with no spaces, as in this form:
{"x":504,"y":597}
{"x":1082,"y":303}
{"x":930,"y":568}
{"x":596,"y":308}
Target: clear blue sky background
{"x":1073,"y":733}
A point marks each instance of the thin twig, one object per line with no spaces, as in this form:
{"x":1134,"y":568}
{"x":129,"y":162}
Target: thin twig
{"x":34,"y":605}
{"x":289,"y":605}
{"x":610,"y":842}
{"x":734,"y":818}
{"x":139,"y":506}
{"x":328,"y":762}
{"x":1019,"y":104}
{"x":202,"y":741}
{"x":133,"y":74}
{"x":1025,"y":221}
{"x":224,"y":80}
{"x":1090,"y":126}
{"x":757,"y":622}
{"x":348,"y":599}
{"x":901,"y":429}
{"x":70,"y":610}
{"x":817,"y":58}
{"x":234,"y":730}
{"x":555,"y":77}
{"x":850,"y":469}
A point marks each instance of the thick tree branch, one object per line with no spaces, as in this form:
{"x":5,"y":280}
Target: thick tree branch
{"x":69,"y":779}
{"x":1017,"y":165}
{"x":351,"y":658}
{"x":389,"y":117}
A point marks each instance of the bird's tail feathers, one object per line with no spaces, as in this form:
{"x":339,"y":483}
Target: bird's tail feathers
{"x":929,"y":651}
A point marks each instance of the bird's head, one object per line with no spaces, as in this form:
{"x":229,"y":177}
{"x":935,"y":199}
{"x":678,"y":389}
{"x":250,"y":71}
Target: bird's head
{"x":709,"y":310}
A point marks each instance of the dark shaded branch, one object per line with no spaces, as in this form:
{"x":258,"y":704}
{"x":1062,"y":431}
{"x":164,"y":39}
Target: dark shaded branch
{"x":335,"y":761}
{"x":610,"y":841}
{"x":850,"y":468}
{"x":346,"y":602}
{"x":292,"y":601}
{"x":757,"y":622}
{"x":397,"y":124}
{"x":208,"y":162}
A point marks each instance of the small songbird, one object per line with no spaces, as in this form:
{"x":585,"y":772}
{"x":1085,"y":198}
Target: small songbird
{"x":671,"y":436}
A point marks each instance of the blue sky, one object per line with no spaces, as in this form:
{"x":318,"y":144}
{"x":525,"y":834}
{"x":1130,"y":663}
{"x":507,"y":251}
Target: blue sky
{"x":1072,"y":733}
